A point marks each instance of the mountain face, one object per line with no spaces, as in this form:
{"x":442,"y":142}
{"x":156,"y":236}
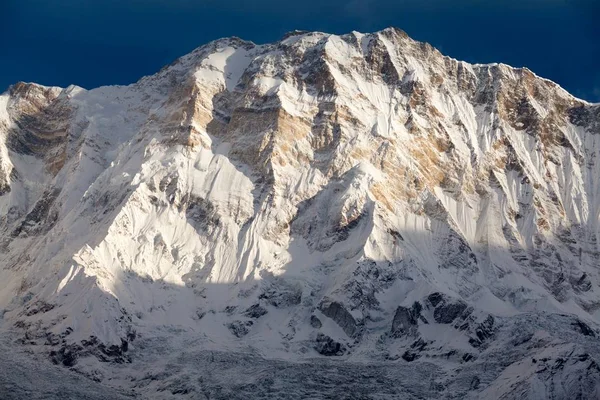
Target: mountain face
{"x":358,"y":205}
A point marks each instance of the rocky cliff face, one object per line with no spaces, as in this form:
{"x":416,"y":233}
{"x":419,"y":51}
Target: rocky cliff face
{"x":359,"y":196}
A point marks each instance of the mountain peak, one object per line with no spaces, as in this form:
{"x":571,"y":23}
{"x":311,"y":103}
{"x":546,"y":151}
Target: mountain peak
{"x":359,"y":196}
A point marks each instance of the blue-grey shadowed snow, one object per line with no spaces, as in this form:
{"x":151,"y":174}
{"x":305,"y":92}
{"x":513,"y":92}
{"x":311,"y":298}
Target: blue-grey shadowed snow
{"x":98,"y":42}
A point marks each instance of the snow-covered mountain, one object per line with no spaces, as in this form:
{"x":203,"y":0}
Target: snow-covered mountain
{"x":345,"y":203}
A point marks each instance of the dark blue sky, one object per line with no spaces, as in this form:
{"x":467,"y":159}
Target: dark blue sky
{"x":98,"y":42}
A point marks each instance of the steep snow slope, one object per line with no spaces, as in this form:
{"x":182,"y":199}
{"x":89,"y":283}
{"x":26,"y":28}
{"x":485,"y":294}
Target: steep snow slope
{"x":359,"y":196}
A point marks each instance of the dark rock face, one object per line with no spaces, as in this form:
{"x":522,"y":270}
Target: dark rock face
{"x":239,"y":328}
{"x":475,"y":383}
{"x":41,"y":218}
{"x":447,"y":313}
{"x":583,"y":328}
{"x":326,"y":346}
{"x":201,"y":213}
{"x":4,"y":184}
{"x":341,"y":316}
{"x":315,"y":322}
{"x":435,"y":298}
{"x":446,"y":310}
{"x":68,"y":354}
{"x":39,"y":307}
{"x":409,"y":356}
{"x":406,"y":319}
{"x":477,"y":328}
{"x":281,"y":293}
{"x":483,"y":331}
{"x":368,"y":279}
{"x":586,"y":116}
{"x":255,"y":311}
{"x":114,"y":350}
{"x":419,"y":345}
{"x":41,"y":118}
{"x":522,"y":338}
